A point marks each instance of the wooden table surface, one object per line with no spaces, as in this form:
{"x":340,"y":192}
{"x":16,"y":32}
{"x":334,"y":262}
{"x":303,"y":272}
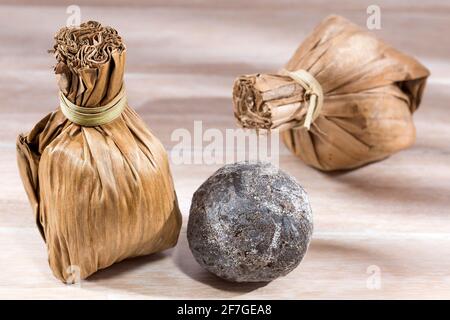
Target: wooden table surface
{"x":391,"y":217}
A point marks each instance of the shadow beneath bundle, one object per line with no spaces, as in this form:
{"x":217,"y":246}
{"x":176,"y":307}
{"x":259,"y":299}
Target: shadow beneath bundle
{"x":126,"y":266}
{"x":187,"y":264}
{"x":154,"y":276}
{"x":413,"y":187}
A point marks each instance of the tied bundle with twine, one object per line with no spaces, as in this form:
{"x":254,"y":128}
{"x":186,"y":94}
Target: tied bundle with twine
{"x":343,"y":100}
{"x":98,"y":180}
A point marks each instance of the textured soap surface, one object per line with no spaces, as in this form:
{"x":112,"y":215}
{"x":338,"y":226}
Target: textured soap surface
{"x":249,"y":222}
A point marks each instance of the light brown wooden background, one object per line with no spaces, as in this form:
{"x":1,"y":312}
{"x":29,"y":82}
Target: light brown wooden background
{"x":182,"y":59}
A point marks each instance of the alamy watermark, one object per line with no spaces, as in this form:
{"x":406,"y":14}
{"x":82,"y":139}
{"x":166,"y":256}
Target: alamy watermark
{"x":74,"y":18}
{"x":74,"y":277}
{"x":373,"y":282}
{"x":373,"y":21}
{"x":214,"y":146}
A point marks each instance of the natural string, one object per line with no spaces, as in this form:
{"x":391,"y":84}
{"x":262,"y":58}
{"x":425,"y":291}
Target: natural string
{"x":313,"y":90}
{"x":90,"y":117}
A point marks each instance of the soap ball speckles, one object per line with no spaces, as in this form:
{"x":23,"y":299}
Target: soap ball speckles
{"x":249,"y":222}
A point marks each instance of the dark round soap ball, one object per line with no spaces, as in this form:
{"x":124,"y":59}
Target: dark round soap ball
{"x":249,"y":222}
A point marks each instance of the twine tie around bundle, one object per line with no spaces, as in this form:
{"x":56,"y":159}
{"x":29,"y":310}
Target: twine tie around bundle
{"x":313,"y":92}
{"x":91,"y":117}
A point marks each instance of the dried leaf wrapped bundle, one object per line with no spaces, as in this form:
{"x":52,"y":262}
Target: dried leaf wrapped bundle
{"x":370,"y":91}
{"x":100,"y":193}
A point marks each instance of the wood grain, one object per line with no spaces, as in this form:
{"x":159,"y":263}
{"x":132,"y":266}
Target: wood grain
{"x":182,"y":60}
